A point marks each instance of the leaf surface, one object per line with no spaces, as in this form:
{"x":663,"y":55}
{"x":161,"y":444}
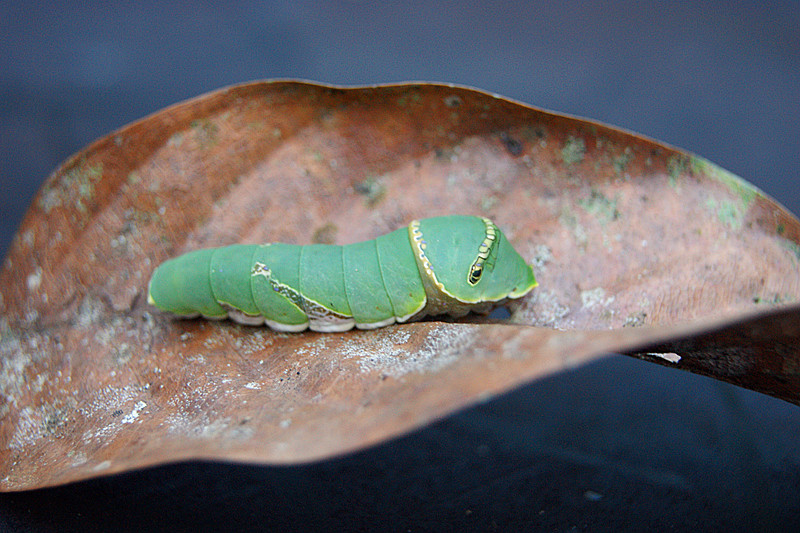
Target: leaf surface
{"x":639,"y":248}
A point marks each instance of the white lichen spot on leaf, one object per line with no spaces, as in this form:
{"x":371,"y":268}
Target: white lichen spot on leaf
{"x":389,"y":355}
{"x":134,"y":414}
{"x":595,"y":297}
{"x":75,"y":188}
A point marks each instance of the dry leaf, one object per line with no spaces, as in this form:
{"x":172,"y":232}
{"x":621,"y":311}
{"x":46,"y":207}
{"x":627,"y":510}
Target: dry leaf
{"x":638,"y":248}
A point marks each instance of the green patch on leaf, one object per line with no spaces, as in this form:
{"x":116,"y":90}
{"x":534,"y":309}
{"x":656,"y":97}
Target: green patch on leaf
{"x":727,"y":212}
{"x":408,"y":98}
{"x":325,"y":234}
{"x":574,"y":151}
{"x":775,"y":299}
{"x":676,"y":165}
{"x":488,"y":202}
{"x":569,"y":220}
{"x":792,"y":247}
{"x":745,"y":191}
{"x":372,"y":189}
{"x":621,"y":161}
{"x":205,"y":131}
{"x":600,"y":205}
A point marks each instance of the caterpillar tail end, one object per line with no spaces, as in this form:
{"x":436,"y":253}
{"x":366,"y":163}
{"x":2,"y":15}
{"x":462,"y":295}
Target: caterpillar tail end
{"x":182,"y":286}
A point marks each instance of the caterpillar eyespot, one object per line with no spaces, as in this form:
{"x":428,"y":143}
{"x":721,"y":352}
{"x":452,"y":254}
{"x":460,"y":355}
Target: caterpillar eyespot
{"x":441,"y":265}
{"x":475,"y":274}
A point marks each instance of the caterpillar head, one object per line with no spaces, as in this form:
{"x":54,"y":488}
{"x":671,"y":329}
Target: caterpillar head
{"x":469,"y":259}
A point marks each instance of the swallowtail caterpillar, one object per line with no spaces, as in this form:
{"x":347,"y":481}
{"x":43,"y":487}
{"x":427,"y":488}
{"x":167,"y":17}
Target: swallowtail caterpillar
{"x":450,"y":264}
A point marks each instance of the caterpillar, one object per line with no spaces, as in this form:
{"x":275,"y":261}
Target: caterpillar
{"x":442,"y":265}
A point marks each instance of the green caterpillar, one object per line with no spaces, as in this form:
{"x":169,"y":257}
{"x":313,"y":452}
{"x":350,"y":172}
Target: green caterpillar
{"x":451,"y":264}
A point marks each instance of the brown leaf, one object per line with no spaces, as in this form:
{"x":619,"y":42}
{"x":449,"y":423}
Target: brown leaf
{"x":622,"y":231}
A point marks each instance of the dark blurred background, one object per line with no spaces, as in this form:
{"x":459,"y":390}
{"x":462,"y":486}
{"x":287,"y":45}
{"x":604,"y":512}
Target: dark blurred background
{"x":620,"y":444}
